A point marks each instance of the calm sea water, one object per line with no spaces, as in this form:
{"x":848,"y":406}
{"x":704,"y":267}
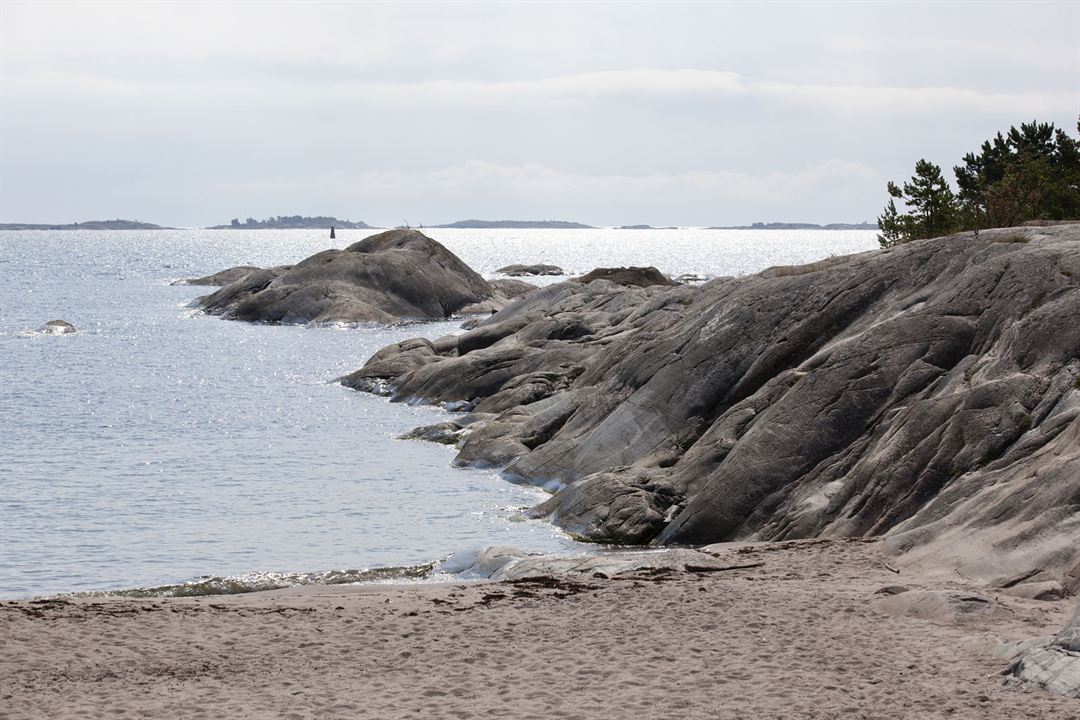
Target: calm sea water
{"x":157,"y":445}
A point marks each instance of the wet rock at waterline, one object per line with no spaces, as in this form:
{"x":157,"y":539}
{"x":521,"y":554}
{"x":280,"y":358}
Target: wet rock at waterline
{"x":929,"y":393}
{"x":224,"y":277}
{"x":57,"y":327}
{"x":385,"y":278}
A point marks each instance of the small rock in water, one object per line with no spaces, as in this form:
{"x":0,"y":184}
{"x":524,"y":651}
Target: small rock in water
{"x":691,"y":279}
{"x":57,"y":327}
{"x":446,"y":433}
{"x":629,"y":276}
{"x":520,"y":270}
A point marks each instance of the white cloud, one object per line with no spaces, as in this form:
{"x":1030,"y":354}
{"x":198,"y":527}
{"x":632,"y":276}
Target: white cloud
{"x":501,"y":109}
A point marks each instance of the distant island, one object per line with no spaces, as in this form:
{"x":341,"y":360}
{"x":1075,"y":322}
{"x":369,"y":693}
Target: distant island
{"x":517,"y":224}
{"x":645,"y":227}
{"x":798,"y":226}
{"x":293,"y":222}
{"x":87,"y":225}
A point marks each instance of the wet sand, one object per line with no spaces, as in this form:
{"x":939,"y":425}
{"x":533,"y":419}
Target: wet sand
{"x":802,"y":635}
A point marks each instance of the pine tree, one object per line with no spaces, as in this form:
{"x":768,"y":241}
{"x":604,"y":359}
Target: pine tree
{"x":932,"y":206}
{"x":891,"y":225}
{"x":931,"y":198}
{"x":1031,"y":172}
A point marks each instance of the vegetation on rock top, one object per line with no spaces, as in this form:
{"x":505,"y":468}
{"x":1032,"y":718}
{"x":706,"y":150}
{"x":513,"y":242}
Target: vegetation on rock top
{"x":1029,"y":173}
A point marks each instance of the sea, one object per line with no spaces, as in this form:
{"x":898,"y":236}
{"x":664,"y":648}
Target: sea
{"x":159,"y":450}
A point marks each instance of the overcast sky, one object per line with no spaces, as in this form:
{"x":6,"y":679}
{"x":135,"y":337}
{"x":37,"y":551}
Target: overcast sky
{"x":190,"y":113}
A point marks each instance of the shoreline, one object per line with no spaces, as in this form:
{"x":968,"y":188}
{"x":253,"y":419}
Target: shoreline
{"x":802,"y":629}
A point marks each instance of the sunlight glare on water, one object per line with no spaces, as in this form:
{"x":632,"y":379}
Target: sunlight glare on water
{"x":157,"y":445}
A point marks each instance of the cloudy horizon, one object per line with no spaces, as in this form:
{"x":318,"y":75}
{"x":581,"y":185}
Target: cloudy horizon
{"x":607,"y":113}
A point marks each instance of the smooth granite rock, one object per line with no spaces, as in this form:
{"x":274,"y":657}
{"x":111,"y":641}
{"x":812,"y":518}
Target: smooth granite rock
{"x":224,"y":277}
{"x":389,"y":277}
{"x":504,"y":292}
{"x":1053,"y":666}
{"x":929,"y":393}
{"x":510,"y":563}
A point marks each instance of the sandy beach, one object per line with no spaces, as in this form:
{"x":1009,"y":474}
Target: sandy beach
{"x":804,"y":632}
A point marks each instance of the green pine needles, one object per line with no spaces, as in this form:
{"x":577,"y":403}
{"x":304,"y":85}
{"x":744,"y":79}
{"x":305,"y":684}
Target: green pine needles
{"x":1029,"y":173}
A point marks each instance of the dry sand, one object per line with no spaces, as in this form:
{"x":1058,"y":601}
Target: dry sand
{"x":802,"y":636}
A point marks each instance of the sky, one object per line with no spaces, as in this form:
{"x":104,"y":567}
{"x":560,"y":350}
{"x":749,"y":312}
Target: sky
{"x":190,"y":114}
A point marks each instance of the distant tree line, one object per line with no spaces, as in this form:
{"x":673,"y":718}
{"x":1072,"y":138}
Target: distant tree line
{"x":293,"y":221}
{"x":1029,"y":173}
{"x":279,"y":221}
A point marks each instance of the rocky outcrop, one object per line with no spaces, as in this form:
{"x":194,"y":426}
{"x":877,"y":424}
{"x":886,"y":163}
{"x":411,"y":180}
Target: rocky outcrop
{"x":224,"y":277}
{"x":510,"y":563}
{"x":1053,"y":666}
{"x":57,"y":327}
{"x":504,"y":291}
{"x":929,"y":393}
{"x":636,"y":276}
{"x":521,"y":270}
{"x":389,"y":277}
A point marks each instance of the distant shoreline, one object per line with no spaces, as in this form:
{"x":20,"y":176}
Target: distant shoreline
{"x":514,"y":225}
{"x":86,"y":225}
{"x":325,"y":223}
{"x":797,"y":226}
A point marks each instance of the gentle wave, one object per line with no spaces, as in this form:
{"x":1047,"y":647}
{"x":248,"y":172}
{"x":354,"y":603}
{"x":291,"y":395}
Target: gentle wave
{"x":261,"y":581}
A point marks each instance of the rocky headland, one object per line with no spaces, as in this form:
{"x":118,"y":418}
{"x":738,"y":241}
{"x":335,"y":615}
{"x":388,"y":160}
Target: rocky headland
{"x":928,"y":394}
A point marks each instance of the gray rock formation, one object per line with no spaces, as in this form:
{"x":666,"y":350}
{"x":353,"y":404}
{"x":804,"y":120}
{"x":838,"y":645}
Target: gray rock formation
{"x":504,"y":291}
{"x":1054,"y":666}
{"x":389,"y":277}
{"x":636,"y":276}
{"x":57,"y":327}
{"x":521,"y":270}
{"x":224,"y":277}
{"x":509,"y":563}
{"x":930,"y":393}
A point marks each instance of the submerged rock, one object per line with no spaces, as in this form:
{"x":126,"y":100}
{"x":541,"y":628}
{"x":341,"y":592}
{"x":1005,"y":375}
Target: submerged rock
{"x":57,"y":327}
{"x":444,"y":433}
{"x":389,"y":277}
{"x":521,"y":270}
{"x":929,"y":393}
{"x":224,"y":277}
